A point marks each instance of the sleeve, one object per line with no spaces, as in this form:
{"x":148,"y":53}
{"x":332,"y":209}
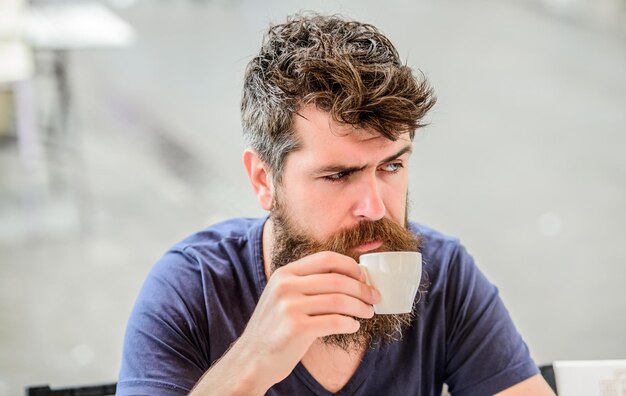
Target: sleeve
{"x":165,"y":348}
{"x":485,"y":353}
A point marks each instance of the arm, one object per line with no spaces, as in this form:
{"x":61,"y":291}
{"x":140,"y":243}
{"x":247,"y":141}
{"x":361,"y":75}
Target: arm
{"x":535,"y":386}
{"x":486,"y":353}
{"x":311,"y":298}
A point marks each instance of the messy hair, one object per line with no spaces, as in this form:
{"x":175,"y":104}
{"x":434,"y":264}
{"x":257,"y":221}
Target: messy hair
{"x":346,"y":68}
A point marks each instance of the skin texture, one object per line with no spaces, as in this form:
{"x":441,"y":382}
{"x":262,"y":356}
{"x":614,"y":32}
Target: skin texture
{"x":339,"y":177}
{"x":534,"y":385}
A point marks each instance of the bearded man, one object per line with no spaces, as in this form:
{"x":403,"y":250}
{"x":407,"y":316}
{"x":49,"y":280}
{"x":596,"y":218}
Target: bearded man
{"x":279,"y":305}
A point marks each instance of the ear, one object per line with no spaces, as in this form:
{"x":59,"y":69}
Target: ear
{"x":260,"y":178}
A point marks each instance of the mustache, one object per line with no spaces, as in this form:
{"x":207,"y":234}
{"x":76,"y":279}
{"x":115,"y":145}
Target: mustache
{"x":294,"y":245}
{"x":393,"y":236}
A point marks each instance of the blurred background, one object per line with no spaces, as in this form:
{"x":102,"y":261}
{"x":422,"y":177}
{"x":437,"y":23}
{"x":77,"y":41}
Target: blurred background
{"x":120,"y":135}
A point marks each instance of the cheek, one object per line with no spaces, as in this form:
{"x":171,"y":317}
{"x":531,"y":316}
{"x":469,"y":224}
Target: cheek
{"x":397,"y":211}
{"x":396,"y":203}
{"x":321,"y":214}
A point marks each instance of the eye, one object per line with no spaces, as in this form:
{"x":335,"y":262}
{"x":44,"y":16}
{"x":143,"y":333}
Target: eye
{"x":392,"y":167}
{"x":337,"y":177}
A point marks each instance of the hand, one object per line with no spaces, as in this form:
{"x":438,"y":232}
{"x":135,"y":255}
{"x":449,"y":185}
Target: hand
{"x":310,"y":298}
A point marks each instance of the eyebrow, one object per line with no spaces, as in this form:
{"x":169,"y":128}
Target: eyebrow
{"x":350,"y":169}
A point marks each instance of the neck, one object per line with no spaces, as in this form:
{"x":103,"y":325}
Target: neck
{"x":267,"y":242}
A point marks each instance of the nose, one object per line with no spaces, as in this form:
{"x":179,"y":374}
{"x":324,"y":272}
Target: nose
{"x":369,"y":202}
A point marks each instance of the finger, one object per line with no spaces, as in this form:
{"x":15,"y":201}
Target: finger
{"x":336,"y":283}
{"x":324,"y":262}
{"x":325,"y":304}
{"x":324,"y":325}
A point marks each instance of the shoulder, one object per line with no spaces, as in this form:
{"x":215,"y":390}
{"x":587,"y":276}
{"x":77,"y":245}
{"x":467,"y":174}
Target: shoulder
{"x":224,"y":239}
{"x":431,"y":238}
{"x":438,"y":249}
{"x":222,"y":251}
{"x":226,"y":231}
{"x":448,"y":266}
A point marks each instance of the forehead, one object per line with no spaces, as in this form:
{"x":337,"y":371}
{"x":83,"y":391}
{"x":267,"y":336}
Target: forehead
{"x":322,"y":139}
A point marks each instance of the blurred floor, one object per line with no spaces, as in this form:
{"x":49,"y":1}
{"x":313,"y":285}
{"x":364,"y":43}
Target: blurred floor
{"x":523,"y":160}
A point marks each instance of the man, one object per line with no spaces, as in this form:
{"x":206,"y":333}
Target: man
{"x":279,"y":306}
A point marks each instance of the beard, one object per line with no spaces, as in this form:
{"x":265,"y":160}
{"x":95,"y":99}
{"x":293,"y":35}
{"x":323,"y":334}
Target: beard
{"x":292,"y":244}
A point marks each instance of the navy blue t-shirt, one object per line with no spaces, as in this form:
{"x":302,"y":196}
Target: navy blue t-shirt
{"x":199,"y":297}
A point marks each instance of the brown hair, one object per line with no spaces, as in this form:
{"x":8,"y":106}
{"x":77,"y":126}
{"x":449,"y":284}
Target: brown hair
{"x":346,"y":68}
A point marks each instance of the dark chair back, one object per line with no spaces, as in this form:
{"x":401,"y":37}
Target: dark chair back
{"x":88,"y":390}
{"x":547,"y":372}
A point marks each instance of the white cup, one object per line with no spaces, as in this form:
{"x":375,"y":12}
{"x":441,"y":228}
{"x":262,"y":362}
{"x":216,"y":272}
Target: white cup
{"x":397,"y":277}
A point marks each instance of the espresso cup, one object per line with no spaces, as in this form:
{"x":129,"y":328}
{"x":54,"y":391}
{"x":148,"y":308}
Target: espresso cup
{"x":397,"y":277}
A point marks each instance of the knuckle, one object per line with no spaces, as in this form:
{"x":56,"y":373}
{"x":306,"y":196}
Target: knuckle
{"x":279,"y":272}
{"x":286,"y":308}
{"x":337,"y":301}
{"x":335,"y":282}
{"x":281,"y":288}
